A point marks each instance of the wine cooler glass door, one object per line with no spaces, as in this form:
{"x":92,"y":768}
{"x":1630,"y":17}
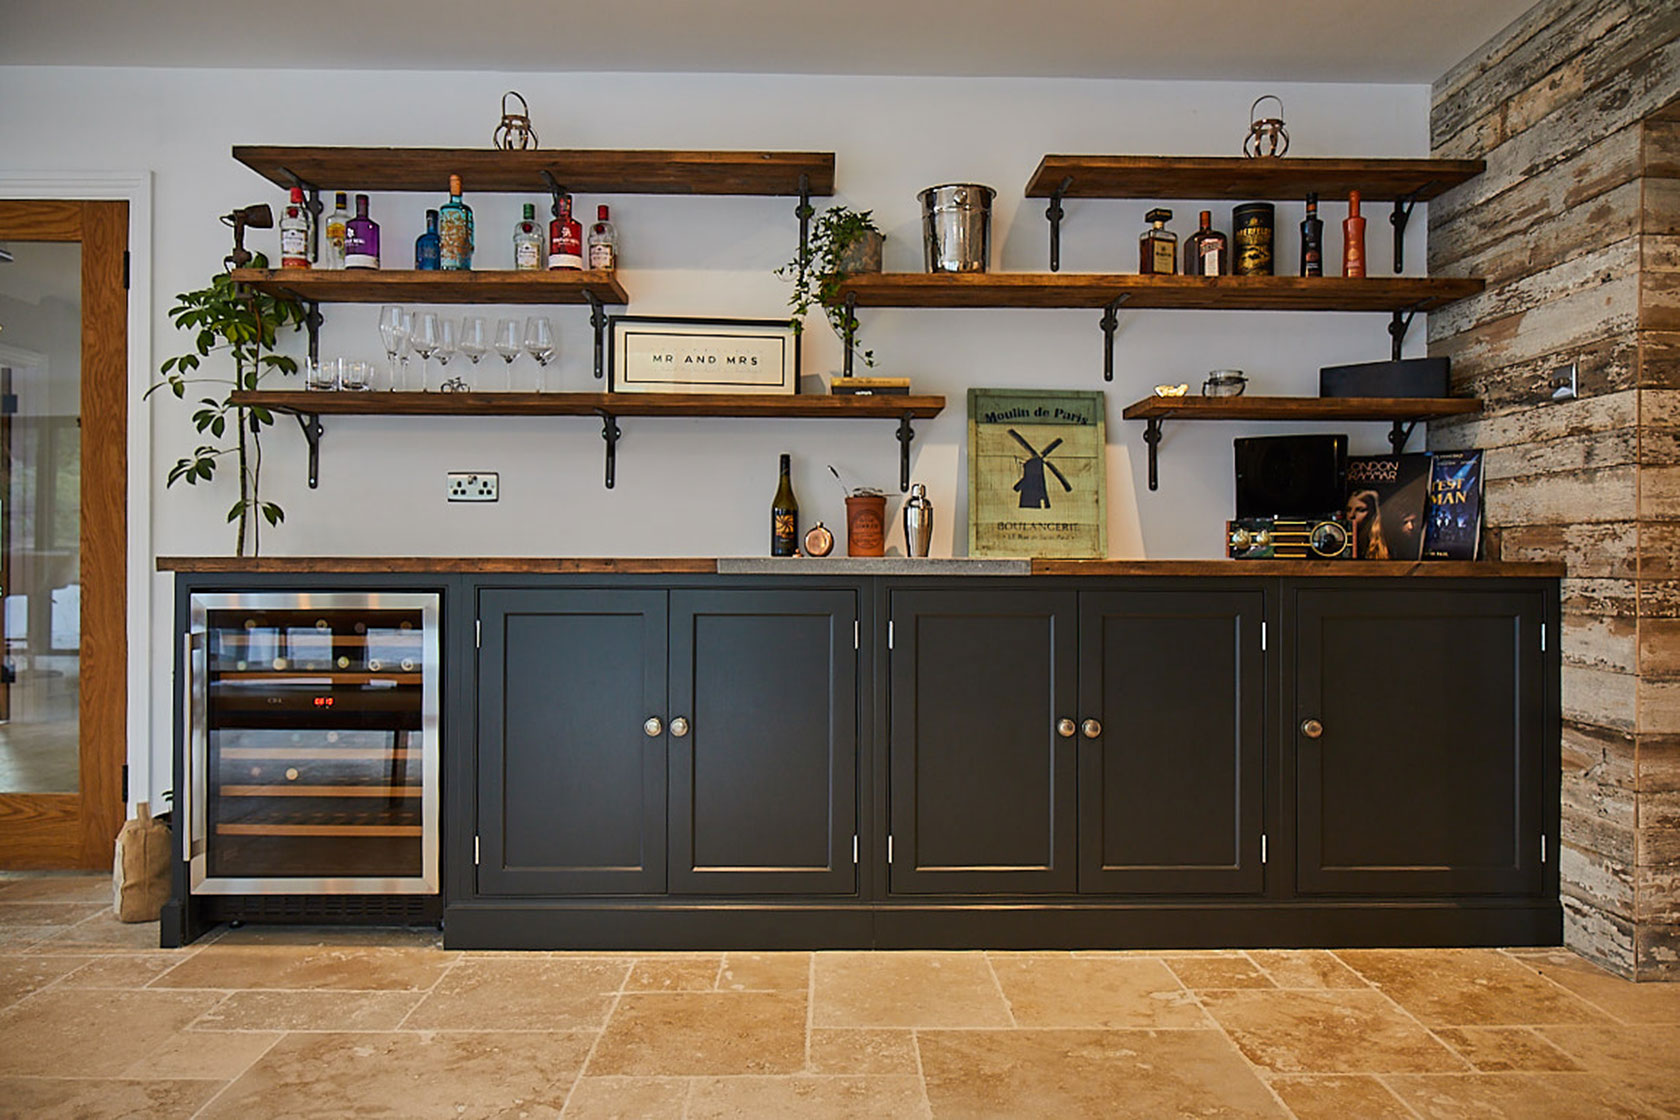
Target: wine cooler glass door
{"x":313,"y":754}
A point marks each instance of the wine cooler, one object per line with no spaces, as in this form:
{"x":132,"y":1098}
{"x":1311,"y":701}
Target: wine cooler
{"x":312,"y":745}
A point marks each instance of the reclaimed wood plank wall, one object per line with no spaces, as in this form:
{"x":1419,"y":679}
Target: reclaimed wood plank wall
{"x":1576,"y":227}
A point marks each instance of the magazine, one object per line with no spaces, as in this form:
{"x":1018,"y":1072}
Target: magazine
{"x":1454,"y":527}
{"x":1387,"y":495}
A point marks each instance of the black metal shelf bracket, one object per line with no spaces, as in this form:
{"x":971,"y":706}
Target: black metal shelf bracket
{"x":848,"y":336}
{"x":1398,"y":217}
{"x":597,"y":320}
{"x":1398,"y":324}
{"x":1110,"y":321}
{"x":1152,"y":437}
{"x":555,"y":190}
{"x":1399,"y":434}
{"x":610,"y":432}
{"x":906,"y":433}
{"x":312,"y":433}
{"x":803,"y":212}
{"x":312,"y":321}
{"x":1055,"y":213}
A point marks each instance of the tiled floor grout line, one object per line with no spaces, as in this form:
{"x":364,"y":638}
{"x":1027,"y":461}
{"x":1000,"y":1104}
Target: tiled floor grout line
{"x":1008,"y":1009}
{"x":810,"y":1005}
{"x":1438,"y":1040}
{"x":1612,"y":1016}
{"x":1254,"y":1068}
{"x":921,"y":1070}
{"x":600,"y":1033}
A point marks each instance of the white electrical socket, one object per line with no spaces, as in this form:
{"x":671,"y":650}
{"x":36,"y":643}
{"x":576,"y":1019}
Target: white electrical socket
{"x":473,"y":486}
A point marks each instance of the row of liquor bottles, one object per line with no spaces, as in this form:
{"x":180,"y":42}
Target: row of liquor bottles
{"x":449,"y":242}
{"x":1208,"y":252}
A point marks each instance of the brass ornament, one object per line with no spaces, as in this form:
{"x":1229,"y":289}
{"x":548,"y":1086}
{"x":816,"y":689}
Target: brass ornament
{"x":515,"y":133}
{"x":1267,"y":136}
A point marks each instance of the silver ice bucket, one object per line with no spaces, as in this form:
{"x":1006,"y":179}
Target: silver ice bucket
{"x":957,"y":227}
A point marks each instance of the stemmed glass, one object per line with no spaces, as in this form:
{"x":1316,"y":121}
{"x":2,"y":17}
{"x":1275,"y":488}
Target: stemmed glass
{"x":507,"y":345}
{"x":475,"y":339}
{"x":425,"y":339}
{"x":448,"y":342}
{"x":393,"y":331}
{"x":539,"y":343}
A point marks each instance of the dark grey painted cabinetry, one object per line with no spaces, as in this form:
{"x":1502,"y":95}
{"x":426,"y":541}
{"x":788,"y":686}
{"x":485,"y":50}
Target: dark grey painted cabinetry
{"x":1419,"y":735}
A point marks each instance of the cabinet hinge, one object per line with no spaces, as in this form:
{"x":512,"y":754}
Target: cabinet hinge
{"x":1262,"y":847}
{"x":1542,"y":847}
{"x":478,"y":634}
{"x":1542,"y":637}
{"x":1262,"y":635}
{"x":125,"y":269}
{"x":857,"y":634}
{"x":889,"y":848}
{"x":854,"y":849}
{"x":889,"y":635}
{"x":475,"y":851}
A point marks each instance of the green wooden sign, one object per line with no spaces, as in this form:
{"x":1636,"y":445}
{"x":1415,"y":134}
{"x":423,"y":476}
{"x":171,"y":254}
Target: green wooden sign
{"x":1036,"y":473}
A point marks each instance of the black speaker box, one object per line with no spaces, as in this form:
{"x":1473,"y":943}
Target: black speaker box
{"x":1408,"y":377}
{"x":1291,"y":476}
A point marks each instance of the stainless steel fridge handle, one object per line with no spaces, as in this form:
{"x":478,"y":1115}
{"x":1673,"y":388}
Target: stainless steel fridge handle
{"x":192,"y":835}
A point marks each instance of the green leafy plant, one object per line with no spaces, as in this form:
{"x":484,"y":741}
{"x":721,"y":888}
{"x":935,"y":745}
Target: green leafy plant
{"x":227,"y":318}
{"x":819,"y":266}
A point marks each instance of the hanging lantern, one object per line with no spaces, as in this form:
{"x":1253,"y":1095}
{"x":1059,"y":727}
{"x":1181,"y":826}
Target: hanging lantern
{"x":515,"y":133}
{"x":1266,"y":135}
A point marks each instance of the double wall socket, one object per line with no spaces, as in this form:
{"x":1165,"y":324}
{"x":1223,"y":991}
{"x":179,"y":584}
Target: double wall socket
{"x":474,"y":486}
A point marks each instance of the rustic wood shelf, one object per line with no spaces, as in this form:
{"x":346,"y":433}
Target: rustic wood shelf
{"x":1239,"y":178}
{"x":1404,"y":413}
{"x":408,"y":286}
{"x":1136,"y":292}
{"x":593,"y":170}
{"x":309,"y":407}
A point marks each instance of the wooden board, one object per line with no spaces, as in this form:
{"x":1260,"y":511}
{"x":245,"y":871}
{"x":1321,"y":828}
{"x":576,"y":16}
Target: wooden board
{"x":1194,"y":177}
{"x":1298,"y":408}
{"x":373,"y":565}
{"x":1441,"y":569}
{"x":809,"y":405}
{"x":409,"y":286}
{"x":1096,"y":290}
{"x":589,"y":170}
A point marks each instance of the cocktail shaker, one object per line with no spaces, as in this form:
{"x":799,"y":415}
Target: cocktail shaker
{"x":918,"y":522}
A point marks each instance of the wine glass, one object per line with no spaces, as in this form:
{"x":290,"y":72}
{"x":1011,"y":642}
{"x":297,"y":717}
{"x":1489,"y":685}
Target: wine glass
{"x":507,"y":345}
{"x":393,"y":331}
{"x":425,"y":339}
{"x":475,"y":338}
{"x":448,"y":342}
{"x":539,"y":343}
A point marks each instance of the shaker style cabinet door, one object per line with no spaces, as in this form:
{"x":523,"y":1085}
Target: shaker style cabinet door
{"x":1171,"y":724}
{"x":1418,"y":730}
{"x":571,"y":773}
{"x":763,"y":742}
{"x":981,"y":766}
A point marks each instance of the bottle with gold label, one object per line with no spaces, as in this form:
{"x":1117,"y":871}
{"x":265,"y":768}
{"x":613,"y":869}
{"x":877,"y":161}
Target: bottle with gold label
{"x":1158,"y":245}
{"x":455,"y":231}
{"x":784,"y":515}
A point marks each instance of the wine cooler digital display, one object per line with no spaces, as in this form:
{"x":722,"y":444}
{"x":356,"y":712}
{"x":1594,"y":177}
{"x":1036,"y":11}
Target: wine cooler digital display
{"x":313,"y":743}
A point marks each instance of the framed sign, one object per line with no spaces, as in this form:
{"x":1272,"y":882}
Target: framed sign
{"x":653,"y":355}
{"x":1036,"y":473}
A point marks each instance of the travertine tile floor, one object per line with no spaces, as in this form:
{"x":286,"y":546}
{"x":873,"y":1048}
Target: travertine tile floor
{"x":95,"y":1022}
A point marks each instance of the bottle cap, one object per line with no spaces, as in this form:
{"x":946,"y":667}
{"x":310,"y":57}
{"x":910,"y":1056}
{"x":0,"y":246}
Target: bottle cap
{"x":1353,"y":204}
{"x":431,"y":215}
{"x":454,"y":184}
{"x":1312,"y":199}
{"x":1159,"y":214}
{"x":338,"y":199}
{"x":530,"y":211}
{"x":601,"y":212}
{"x":1207,"y":218}
{"x":297,"y":195}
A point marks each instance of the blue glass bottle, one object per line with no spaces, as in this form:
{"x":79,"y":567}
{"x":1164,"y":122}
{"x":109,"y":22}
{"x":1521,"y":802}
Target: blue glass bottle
{"x":427,"y":244}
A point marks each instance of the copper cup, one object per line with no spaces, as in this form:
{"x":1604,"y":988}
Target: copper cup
{"x":866,"y":525}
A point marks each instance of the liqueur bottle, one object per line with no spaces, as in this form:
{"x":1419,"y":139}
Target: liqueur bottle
{"x":1312,"y":240}
{"x":334,"y":228}
{"x":455,"y":231}
{"x":565,"y":236}
{"x":1158,"y":245}
{"x":361,"y":238}
{"x":603,"y":242}
{"x":428,"y":247}
{"x":294,"y":233}
{"x":1353,"y":239}
{"x":784,"y":516}
{"x":527,"y":242}
{"x":1206,"y":253}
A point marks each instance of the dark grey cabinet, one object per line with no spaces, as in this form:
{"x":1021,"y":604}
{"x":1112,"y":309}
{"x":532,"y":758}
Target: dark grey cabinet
{"x":1419,"y":735}
{"x":1170,"y":780}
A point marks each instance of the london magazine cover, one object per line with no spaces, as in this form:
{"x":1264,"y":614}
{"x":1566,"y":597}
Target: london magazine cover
{"x":1454,"y":529}
{"x":1387,"y":497}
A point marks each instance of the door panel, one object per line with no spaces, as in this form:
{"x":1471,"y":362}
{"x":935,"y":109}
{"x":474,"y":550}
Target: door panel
{"x":63,"y":532}
{"x":571,"y":787}
{"x":763,"y":784}
{"x":1426,"y":778}
{"x":982,"y":786}
{"x":1170,"y":790}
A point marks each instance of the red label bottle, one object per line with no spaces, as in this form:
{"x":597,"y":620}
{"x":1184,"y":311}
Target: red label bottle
{"x":1353,"y":239}
{"x":565,"y":237}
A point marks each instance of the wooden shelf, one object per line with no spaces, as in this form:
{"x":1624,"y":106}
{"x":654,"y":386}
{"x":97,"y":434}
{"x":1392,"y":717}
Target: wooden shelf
{"x":588,"y":170}
{"x":409,"y":286}
{"x":1098,"y":290}
{"x":1198,"y":177}
{"x":810,"y":405}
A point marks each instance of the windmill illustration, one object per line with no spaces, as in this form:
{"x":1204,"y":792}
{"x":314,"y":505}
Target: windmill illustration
{"x":1034,"y":493}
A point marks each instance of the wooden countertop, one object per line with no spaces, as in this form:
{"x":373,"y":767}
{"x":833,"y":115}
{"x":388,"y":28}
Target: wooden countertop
{"x":708,"y":565}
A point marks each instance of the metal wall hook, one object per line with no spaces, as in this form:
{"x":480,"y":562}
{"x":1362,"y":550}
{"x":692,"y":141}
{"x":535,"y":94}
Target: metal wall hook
{"x":1055,"y":213}
{"x":1111,"y":321}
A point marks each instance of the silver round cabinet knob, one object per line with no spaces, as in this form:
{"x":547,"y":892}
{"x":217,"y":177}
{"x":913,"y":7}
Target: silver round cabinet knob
{"x":1311,"y":728}
{"x":653,"y":727}
{"x":1065,"y":728}
{"x":1091,"y":728}
{"x":679,"y":727}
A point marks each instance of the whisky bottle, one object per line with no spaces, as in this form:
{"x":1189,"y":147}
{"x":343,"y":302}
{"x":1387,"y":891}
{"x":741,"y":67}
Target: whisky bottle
{"x":361,"y":238}
{"x":1158,"y":245}
{"x":1353,"y":239}
{"x":527,"y":242}
{"x":565,"y":236}
{"x":294,"y":233}
{"x":1312,"y":240}
{"x":455,"y":231}
{"x":334,"y":229}
{"x":428,"y":245}
{"x":1206,"y":253}
{"x":784,"y":516}
{"x":603,"y":242}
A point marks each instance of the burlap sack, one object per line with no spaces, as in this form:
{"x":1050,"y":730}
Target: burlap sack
{"x":140,"y":876}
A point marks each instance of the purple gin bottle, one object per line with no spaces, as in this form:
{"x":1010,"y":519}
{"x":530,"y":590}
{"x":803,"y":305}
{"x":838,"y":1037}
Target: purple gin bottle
{"x":361,"y":238}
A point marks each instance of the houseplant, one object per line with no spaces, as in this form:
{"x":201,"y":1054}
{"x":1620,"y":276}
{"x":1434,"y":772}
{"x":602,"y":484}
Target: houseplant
{"x":842,"y":242}
{"x":224,"y":317}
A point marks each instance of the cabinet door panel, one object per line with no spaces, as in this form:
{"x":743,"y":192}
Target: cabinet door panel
{"x":1426,"y":778}
{"x":571,"y":789}
{"x":982,"y":786}
{"x":763,"y":786}
{"x":1170,"y":791}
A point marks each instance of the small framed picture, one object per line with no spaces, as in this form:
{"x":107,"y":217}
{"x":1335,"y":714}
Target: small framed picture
{"x":1036,"y":473}
{"x":654,"y":355}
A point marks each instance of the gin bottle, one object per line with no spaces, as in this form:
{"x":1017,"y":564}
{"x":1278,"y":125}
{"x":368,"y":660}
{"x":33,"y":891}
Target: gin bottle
{"x":455,"y":231}
{"x":334,"y":241}
{"x":565,"y":236}
{"x":603,"y":243}
{"x":527,"y":242}
{"x":426,"y":246}
{"x":294,"y":233}
{"x":361,"y":238}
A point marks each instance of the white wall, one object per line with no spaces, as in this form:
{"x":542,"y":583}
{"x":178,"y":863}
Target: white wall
{"x":700,"y":487}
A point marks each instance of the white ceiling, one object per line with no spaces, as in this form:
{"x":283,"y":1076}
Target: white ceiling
{"x":1406,"y":41}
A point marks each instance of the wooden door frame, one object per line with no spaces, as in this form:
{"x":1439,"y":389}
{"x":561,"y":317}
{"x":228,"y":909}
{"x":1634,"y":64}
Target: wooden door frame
{"x":77,"y":830}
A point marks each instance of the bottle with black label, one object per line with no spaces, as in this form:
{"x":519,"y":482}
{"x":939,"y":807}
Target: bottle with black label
{"x":784,"y":516}
{"x":1158,"y":245}
{"x":1312,"y":240}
